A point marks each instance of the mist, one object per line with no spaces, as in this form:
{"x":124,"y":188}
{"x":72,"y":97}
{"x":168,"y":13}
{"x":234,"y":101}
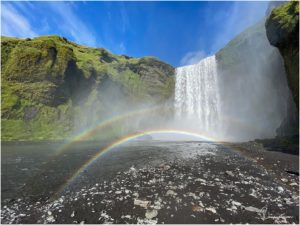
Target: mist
{"x":239,"y":94}
{"x":244,"y":97}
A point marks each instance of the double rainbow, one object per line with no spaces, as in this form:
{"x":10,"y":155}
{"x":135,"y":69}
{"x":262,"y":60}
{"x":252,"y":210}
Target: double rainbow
{"x":124,"y":140}
{"x":85,"y":135}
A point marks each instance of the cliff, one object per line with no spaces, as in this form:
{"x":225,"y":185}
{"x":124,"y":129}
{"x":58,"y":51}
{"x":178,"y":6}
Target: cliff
{"x":252,"y":68}
{"x":51,"y":85}
{"x":283,"y":32}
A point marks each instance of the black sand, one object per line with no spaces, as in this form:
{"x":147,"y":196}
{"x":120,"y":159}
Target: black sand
{"x":149,"y":182}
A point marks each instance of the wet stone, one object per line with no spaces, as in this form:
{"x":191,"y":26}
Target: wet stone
{"x":200,"y":189}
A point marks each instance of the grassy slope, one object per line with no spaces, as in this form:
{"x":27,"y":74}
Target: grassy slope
{"x":47,"y":80}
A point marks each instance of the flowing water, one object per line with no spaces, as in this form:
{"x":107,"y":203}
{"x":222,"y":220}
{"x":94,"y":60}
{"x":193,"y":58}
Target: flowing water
{"x":234,"y":105}
{"x":197,"y":94}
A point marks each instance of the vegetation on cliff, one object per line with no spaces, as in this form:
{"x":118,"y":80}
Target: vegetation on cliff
{"x":48,"y":80}
{"x":51,"y":86}
{"x":283,"y":32}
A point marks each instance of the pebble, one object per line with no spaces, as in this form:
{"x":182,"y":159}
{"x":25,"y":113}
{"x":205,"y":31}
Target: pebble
{"x":236,"y":203}
{"x":193,"y":195}
{"x":229,"y":173}
{"x":280,"y":189}
{"x":151,"y":214}
{"x":252,"y":209}
{"x":165,"y":167}
{"x":141,"y":203}
{"x":200,"y":180}
{"x":197,"y":209}
{"x":130,"y":191}
{"x":213,"y":210}
{"x":127,"y":216}
{"x":50,"y":219}
{"x":171,"y":193}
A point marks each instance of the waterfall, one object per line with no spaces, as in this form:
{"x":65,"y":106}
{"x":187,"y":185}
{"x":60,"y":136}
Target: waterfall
{"x":241,"y":103}
{"x":238,"y":95}
{"x":197,"y":94}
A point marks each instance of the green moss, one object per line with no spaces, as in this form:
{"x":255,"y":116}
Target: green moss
{"x":168,"y":89}
{"x":283,"y":32}
{"x":48,"y":81}
{"x":8,"y":100}
{"x":36,"y":60}
{"x":126,"y":77}
{"x":46,"y":126}
{"x":13,"y":130}
{"x":49,"y":125}
{"x":287,"y":15}
{"x":8,"y":44}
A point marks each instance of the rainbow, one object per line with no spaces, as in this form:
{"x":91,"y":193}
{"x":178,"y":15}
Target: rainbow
{"x":104,"y":124}
{"x":123,"y":140}
{"x":85,"y":135}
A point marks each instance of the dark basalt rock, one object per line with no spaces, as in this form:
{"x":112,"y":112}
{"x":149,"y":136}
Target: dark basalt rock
{"x":282,"y":28}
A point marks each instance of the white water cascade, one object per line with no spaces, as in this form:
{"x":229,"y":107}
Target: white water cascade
{"x":241,"y":103}
{"x":197,"y":97}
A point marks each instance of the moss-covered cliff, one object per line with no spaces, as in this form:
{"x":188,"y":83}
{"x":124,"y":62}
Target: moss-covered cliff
{"x":48,"y":80}
{"x":282,"y":28}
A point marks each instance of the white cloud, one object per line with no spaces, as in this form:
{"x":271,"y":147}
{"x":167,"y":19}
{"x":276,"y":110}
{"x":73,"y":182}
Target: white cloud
{"x":13,"y":23}
{"x":192,"y":57}
{"x":71,"y":24}
{"x":21,"y":19}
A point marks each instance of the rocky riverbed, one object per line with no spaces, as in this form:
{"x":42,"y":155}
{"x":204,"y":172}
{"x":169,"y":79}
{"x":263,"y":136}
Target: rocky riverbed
{"x":151,"y":182}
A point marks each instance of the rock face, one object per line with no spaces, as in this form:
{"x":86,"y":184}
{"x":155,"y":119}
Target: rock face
{"x":51,"y":85}
{"x":282,"y":28}
{"x":250,"y":66}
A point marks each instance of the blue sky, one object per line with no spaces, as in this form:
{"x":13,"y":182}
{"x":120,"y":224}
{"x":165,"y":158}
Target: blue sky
{"x":178,"y":33}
